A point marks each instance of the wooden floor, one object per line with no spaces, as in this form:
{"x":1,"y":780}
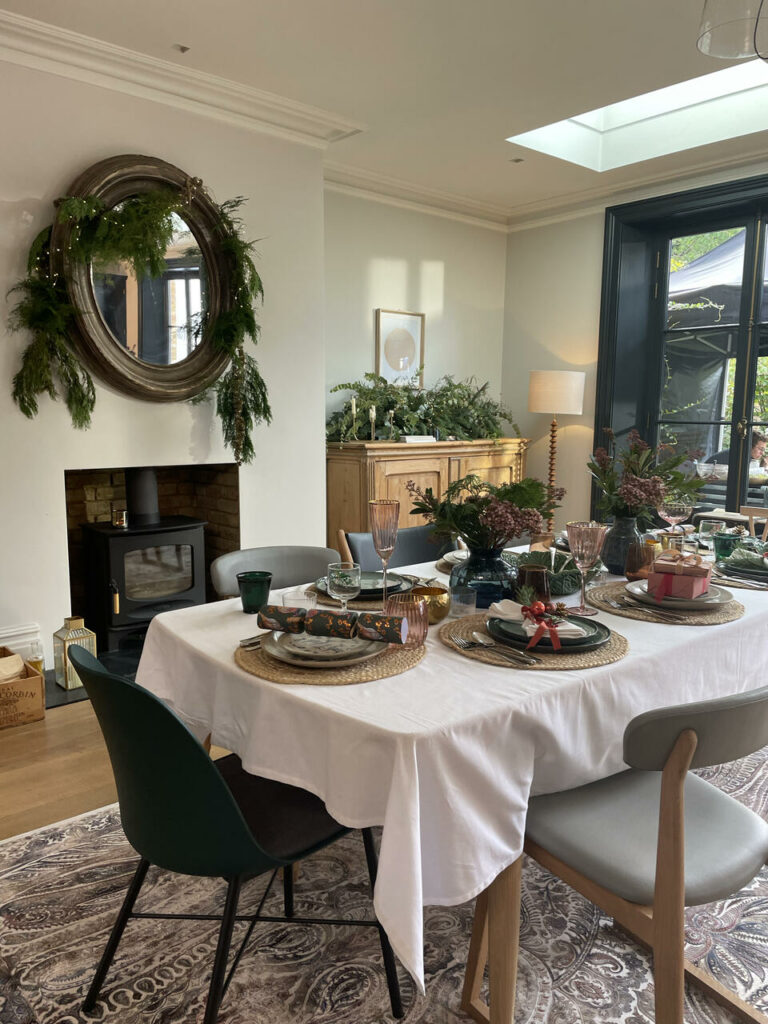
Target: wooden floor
{"x":54,"y":769}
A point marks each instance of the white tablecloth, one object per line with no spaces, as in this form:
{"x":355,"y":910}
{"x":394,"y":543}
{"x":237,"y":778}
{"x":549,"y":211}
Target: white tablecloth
{"x":445,"y":755}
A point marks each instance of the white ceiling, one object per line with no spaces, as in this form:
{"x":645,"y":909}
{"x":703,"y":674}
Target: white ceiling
{"x":439,"y":84}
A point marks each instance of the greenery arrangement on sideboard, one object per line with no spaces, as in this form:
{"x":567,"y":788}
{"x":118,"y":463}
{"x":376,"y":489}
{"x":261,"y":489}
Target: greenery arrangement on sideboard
{"x":137,"y":231}
{"x":460,"y":409}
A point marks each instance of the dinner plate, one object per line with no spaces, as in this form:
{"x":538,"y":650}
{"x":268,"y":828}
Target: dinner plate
{"x":322,"y":652}
{"x":455,"y":557}
{"x":742,"y":572}
{"x":513,"y":634}
{"x":714,"y":597}
{"x":372,"y":584}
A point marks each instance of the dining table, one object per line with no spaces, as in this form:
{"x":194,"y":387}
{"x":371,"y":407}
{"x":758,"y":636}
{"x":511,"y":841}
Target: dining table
{"x":444,"y":756}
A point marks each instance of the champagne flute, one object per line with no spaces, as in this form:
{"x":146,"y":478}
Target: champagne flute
{"x":384,"y":515}
{"x":343,"y":582}
{"x":586,"y":542}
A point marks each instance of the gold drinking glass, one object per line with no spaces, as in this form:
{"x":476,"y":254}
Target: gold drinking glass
{"x":384,"y":515}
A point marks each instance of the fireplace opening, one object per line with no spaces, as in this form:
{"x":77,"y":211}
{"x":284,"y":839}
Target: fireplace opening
{"x":180,"y":519}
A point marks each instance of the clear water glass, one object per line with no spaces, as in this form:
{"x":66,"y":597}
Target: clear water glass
{"x":299,"y":599}
{"x":463,"y":601}
{"x":384,"y":515}
{"x":707,"y":530}
{"x":585,"y":540}
{"x":343,"y":581}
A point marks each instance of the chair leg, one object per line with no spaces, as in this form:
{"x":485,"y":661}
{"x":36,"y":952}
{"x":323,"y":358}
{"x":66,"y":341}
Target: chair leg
{"x":116,"y":934}
{"x":288,"y":890}
{"x":216,"y":989}
{"x":386,"y":950}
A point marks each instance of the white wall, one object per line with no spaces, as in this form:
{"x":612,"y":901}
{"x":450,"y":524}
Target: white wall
{"x":53,"y":129}
{"x":551,"y":323}
{"x":380,"y":256}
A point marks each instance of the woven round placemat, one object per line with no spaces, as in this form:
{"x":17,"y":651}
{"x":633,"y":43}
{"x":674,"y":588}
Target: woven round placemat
{"x":391,"y":663}
{"x":599,"y":597}
{"x":614,"y":650}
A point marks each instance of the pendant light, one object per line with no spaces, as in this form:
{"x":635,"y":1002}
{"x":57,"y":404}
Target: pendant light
{"x":734,"y":29}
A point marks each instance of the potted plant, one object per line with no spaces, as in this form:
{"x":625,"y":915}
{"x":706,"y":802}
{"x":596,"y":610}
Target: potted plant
{"x":486,"y":517}
{"x":633,"y":482}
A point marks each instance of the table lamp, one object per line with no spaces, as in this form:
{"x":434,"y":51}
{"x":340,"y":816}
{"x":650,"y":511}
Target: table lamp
{"x":557,"y":392}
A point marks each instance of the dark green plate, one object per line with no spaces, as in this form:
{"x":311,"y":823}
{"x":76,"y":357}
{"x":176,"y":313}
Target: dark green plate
{"x":372,"y":583}
{"x":742,"y":572}
{"x":513,"y":634}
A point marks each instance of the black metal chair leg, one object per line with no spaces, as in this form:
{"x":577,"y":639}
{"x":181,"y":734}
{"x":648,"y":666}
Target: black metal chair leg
{"x":116,"y":934}
{"x":216,"y":989}
{"x":288,"y":890}
{"x":386,"y":950}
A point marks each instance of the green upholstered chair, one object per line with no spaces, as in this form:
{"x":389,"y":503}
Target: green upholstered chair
{"x":183,"y":812}
{"x":648,"y":842}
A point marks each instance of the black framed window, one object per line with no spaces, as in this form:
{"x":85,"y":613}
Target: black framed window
{"x":683,"y":352}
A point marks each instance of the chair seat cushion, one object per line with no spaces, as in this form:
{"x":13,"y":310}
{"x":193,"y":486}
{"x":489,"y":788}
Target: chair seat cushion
{"x":287,"y":822}
{"x":608,"y":830}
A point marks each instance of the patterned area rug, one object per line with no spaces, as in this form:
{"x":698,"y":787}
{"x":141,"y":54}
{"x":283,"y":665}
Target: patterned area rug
{"x":60,"y":889}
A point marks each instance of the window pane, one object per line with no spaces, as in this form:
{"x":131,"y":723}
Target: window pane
{"x":705,"y":275}
{"x":760,"y":404}
{"x":698,"y":374}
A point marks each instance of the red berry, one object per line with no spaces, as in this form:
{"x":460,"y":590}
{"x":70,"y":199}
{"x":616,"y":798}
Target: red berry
{"x":538,"y":608}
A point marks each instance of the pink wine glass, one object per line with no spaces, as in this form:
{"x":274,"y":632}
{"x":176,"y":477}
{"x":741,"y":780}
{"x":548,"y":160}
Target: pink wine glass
{"x":586,"y":542}
{"x":384,"y":515}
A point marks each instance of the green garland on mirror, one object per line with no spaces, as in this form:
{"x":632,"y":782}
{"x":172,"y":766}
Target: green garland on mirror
{"x":138,"y":231}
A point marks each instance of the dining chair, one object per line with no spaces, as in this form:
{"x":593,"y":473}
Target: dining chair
{"x":650,"y":841}
{"x":289,"y":565}
{"x":754,"y":513}
{"x":185,"y":813}
{"x":414,"y":544}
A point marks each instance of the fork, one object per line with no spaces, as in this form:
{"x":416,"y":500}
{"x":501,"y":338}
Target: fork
{"x":662,"y":615}
{"x":473,"y":645}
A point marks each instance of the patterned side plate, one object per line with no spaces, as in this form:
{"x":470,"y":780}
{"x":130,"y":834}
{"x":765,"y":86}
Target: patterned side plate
{"x":319,"y":651}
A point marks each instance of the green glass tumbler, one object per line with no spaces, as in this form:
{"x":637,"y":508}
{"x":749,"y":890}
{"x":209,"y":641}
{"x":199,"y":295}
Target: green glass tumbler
{"x":254,"y":589}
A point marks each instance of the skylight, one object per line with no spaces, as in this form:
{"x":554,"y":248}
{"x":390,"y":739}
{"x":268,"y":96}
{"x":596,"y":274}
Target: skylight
{"x":724,"y":105}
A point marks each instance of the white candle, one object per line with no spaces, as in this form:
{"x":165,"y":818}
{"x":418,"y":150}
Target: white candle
{"x":353,"y":403}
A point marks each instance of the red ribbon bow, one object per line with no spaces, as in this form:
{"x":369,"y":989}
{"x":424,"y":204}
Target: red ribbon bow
{"x":545,"y":624}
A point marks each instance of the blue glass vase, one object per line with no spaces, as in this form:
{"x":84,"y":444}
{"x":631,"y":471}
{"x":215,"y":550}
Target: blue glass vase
{"x":486,"y":572}
{"x":621,"y":536}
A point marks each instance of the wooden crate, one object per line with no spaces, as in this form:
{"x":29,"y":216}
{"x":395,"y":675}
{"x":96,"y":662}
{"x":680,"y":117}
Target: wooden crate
{"x":21,"y":700}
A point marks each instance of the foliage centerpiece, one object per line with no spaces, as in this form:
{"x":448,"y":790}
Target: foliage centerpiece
{"x":460,"y":409}
{"x":486,"y":516}
{"x":635,"y":480}
{"x":136,"y":231}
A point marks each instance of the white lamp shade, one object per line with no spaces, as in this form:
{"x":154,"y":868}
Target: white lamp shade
{"x":733,"y":29}
{"x":556,"y":391}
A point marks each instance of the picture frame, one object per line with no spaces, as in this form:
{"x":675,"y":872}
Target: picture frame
{"x":400,"y":347}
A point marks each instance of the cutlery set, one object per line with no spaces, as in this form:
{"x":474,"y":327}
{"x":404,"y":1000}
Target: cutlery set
{"x":252,"y":643}
{"x":482,"y":641}
{"x":742,"y":582}
{"x":663,"y":614}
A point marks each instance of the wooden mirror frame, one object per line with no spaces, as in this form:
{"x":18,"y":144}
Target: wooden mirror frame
{"x":114,"y":180}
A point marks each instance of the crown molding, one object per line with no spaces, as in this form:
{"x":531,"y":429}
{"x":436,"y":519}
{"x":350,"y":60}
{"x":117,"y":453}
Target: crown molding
{"x":585,"y":203}
{"x":406,"y":196}
{"x":58,"y":51}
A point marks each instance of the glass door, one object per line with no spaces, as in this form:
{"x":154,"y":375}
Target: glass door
{"x":713,"y":386}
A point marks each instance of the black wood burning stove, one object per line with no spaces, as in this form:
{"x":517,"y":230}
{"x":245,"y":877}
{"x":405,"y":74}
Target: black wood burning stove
{"x":153,"y":565}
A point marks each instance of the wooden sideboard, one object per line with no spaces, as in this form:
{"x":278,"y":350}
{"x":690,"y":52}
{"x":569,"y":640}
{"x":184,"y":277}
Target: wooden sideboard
{"x":360,"y":471}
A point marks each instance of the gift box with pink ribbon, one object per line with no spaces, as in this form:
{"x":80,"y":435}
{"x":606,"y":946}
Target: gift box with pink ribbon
{"x":675,"y":574}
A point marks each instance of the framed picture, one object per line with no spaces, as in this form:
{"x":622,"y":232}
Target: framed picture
{"x":400,"y":347}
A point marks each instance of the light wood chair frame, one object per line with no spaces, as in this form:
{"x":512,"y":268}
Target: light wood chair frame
{"x":346,"y":554}
{"x":659,"y":927}
{"x":753,"y":512}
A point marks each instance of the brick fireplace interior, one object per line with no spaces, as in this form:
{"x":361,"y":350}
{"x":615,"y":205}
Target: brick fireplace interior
{"x":206,"y":492}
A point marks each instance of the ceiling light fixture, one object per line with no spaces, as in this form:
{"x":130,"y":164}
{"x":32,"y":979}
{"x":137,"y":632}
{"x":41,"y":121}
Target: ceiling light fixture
{"x":734,"y":29}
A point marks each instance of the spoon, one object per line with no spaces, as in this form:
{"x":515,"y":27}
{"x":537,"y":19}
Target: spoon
{"x":508,"y":652}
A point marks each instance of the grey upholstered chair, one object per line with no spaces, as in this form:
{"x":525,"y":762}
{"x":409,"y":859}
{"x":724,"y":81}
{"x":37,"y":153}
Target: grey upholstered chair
{"x":648,"y":842}
{"x":414,"y":544}
{"x":289,"y":566}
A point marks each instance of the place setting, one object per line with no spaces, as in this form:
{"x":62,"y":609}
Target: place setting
{"x":535,"y":633}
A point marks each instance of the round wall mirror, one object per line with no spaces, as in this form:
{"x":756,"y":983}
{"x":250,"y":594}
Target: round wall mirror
{"x":147,"y":336}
